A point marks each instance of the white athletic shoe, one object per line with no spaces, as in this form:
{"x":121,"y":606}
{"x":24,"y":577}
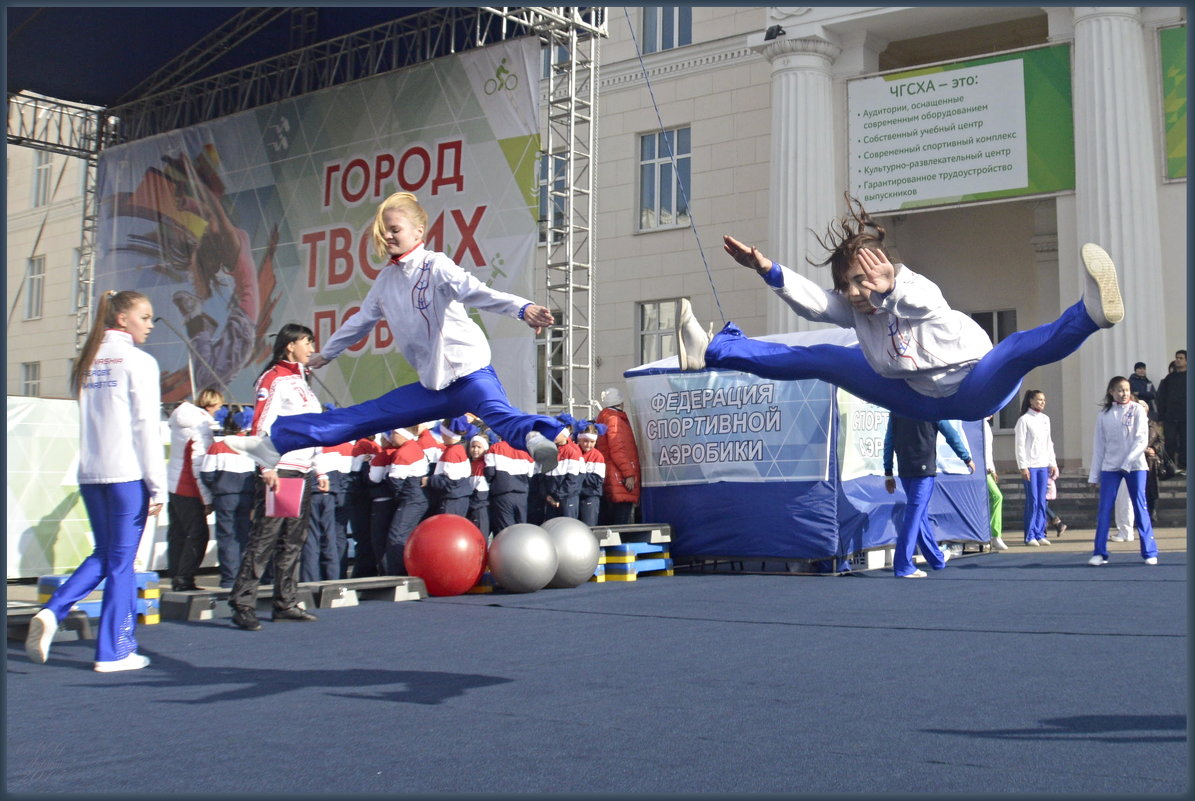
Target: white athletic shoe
{"x":1097,"y":560}
{"x":1044,"y":541}
{"x":914,"y":574}
{"x":691,"y":339}
{"x":133,"y":661}
{"x":1116,"y":538}
{"x":1101,"y":293}
{"x":1151,"y":560}
{"x":544,"y":452}
{"x":42,"y":628}
{"x":998,"y":544}
{"x":1033,"y":544}
{"x":259,"y":449}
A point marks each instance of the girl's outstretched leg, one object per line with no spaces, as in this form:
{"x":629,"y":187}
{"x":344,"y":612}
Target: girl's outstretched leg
{"x":845,"y":367}
{"x":996,"y":378}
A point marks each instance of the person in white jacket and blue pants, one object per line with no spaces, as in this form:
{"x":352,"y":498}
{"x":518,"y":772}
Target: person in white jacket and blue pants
{"x":1118,"y":454}
{"x":122,"y":477}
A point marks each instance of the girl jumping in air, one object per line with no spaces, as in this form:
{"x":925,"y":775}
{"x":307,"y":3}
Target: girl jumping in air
{"x":916,"y":355}
{"x":423,"y":297}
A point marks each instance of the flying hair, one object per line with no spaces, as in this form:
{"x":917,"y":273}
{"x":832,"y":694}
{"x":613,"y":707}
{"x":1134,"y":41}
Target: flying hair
{"x":845,"y":237}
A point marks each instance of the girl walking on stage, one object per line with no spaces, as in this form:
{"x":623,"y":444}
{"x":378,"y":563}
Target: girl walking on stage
{"x":122,"y":477}
{"x":423,"y":296}
{"x":1118,"y":454}
{"x":916,"y":355}
{"x":1037,"y":463}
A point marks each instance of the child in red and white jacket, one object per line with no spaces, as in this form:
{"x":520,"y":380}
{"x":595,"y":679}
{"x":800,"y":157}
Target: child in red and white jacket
{"x":404,"y":468}
{"x":229,"y":477}
{"x":593,"y":472}
{"x":449,"y":483}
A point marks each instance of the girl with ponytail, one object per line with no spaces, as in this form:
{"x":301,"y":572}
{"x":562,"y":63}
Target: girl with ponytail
{"x":122,"y":476}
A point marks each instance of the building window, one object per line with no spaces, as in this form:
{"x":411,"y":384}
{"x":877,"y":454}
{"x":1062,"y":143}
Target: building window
{"x":656,"y":329}
{"x":31,"y":379}
{"x":561,"y":59}
{"x":42,"y":170}
{"x":35,"y":285}
{"x":551,"y":209}
{"x":666,"y":27}
{"x":664,"y":182}
{"x":998,"y":325}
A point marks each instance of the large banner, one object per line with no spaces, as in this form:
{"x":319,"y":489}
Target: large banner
{"x":1172,"y":51}
{"x":699,"y":428}
{"x":987,"y":128}
{"x":238,"y":226}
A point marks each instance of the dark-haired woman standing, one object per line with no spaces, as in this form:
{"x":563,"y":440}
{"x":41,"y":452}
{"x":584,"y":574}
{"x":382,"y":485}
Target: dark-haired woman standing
{"x":122,"y":476}
{"x":282,"y":390}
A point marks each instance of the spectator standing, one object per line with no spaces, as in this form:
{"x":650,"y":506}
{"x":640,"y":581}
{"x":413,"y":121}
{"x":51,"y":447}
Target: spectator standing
{"x":192,"y":431}
{"x":229,"y":477}
{"x":1037,"y":463}
{"x":1118,"y":455}
{"x":593,"y":473}
{"x":995,"y":496}
{"x":479,"y":494}
{"x":508,"y":472}
{"x":1172,"y":411}
{"x":914,"y":443}
{"x":1144,"y":389}
{"x":562,"y":485}
{"x":620,"y":492}
{"x":359,"y":496}
{"x":325,"y":551}
{"x":282,"y":390}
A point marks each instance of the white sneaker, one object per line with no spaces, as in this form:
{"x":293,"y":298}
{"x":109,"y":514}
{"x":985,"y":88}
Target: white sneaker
{"x":42,"y":629}
{"x":1097,"y":560}
{"x":999,"y":544}
{"x":691,"y":340}
{"x":1116,"y":538}
{"x":1101,"y":293}
{"x":133,"y":661}
{"x":545,"y":454}
{"x":1151,"y":560}
{"x":1043,"y":541}
{"x":259,"y":449}
{"x":914,"y":574}
{"x":1033,"y":543}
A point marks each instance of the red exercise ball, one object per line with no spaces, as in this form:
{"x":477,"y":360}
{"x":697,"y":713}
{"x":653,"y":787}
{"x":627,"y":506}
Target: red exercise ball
{"x":447,"y":552}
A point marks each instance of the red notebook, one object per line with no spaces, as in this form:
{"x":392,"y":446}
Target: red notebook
{"x":287,"y":500}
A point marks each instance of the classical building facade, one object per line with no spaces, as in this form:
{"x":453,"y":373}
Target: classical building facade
{"x":760,"y":95}
{"x":715,"y":120}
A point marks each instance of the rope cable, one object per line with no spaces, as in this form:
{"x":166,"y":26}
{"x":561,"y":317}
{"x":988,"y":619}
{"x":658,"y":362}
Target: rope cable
{"x":672,"y":157}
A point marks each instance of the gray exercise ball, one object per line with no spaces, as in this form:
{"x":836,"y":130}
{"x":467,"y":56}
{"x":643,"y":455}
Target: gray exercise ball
{"x":522,"y":558}
{"x":577,"y":551}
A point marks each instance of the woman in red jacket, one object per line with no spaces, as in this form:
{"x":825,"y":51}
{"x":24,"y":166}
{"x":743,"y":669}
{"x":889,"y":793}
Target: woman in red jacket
{"x":622,"y":461}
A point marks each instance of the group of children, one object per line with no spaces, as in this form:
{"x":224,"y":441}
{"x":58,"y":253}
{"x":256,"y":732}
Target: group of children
{"x":916,"y":356}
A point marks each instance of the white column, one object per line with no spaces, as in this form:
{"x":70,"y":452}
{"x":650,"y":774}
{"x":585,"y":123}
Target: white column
{"x":804,"y":155}
{"x":1116,"y":188}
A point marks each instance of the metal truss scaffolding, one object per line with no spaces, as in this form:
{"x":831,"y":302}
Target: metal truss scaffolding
{"x":569,"y":157}
{"x":170,"y":99}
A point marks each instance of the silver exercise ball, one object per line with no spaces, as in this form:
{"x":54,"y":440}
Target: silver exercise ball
{"x":522,"y":558}
{"x":577,"y":551}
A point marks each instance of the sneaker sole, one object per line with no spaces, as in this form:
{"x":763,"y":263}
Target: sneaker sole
{"x":37,"y":642}
{"x":682,"y":353}
{"x":1100,"y":267}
